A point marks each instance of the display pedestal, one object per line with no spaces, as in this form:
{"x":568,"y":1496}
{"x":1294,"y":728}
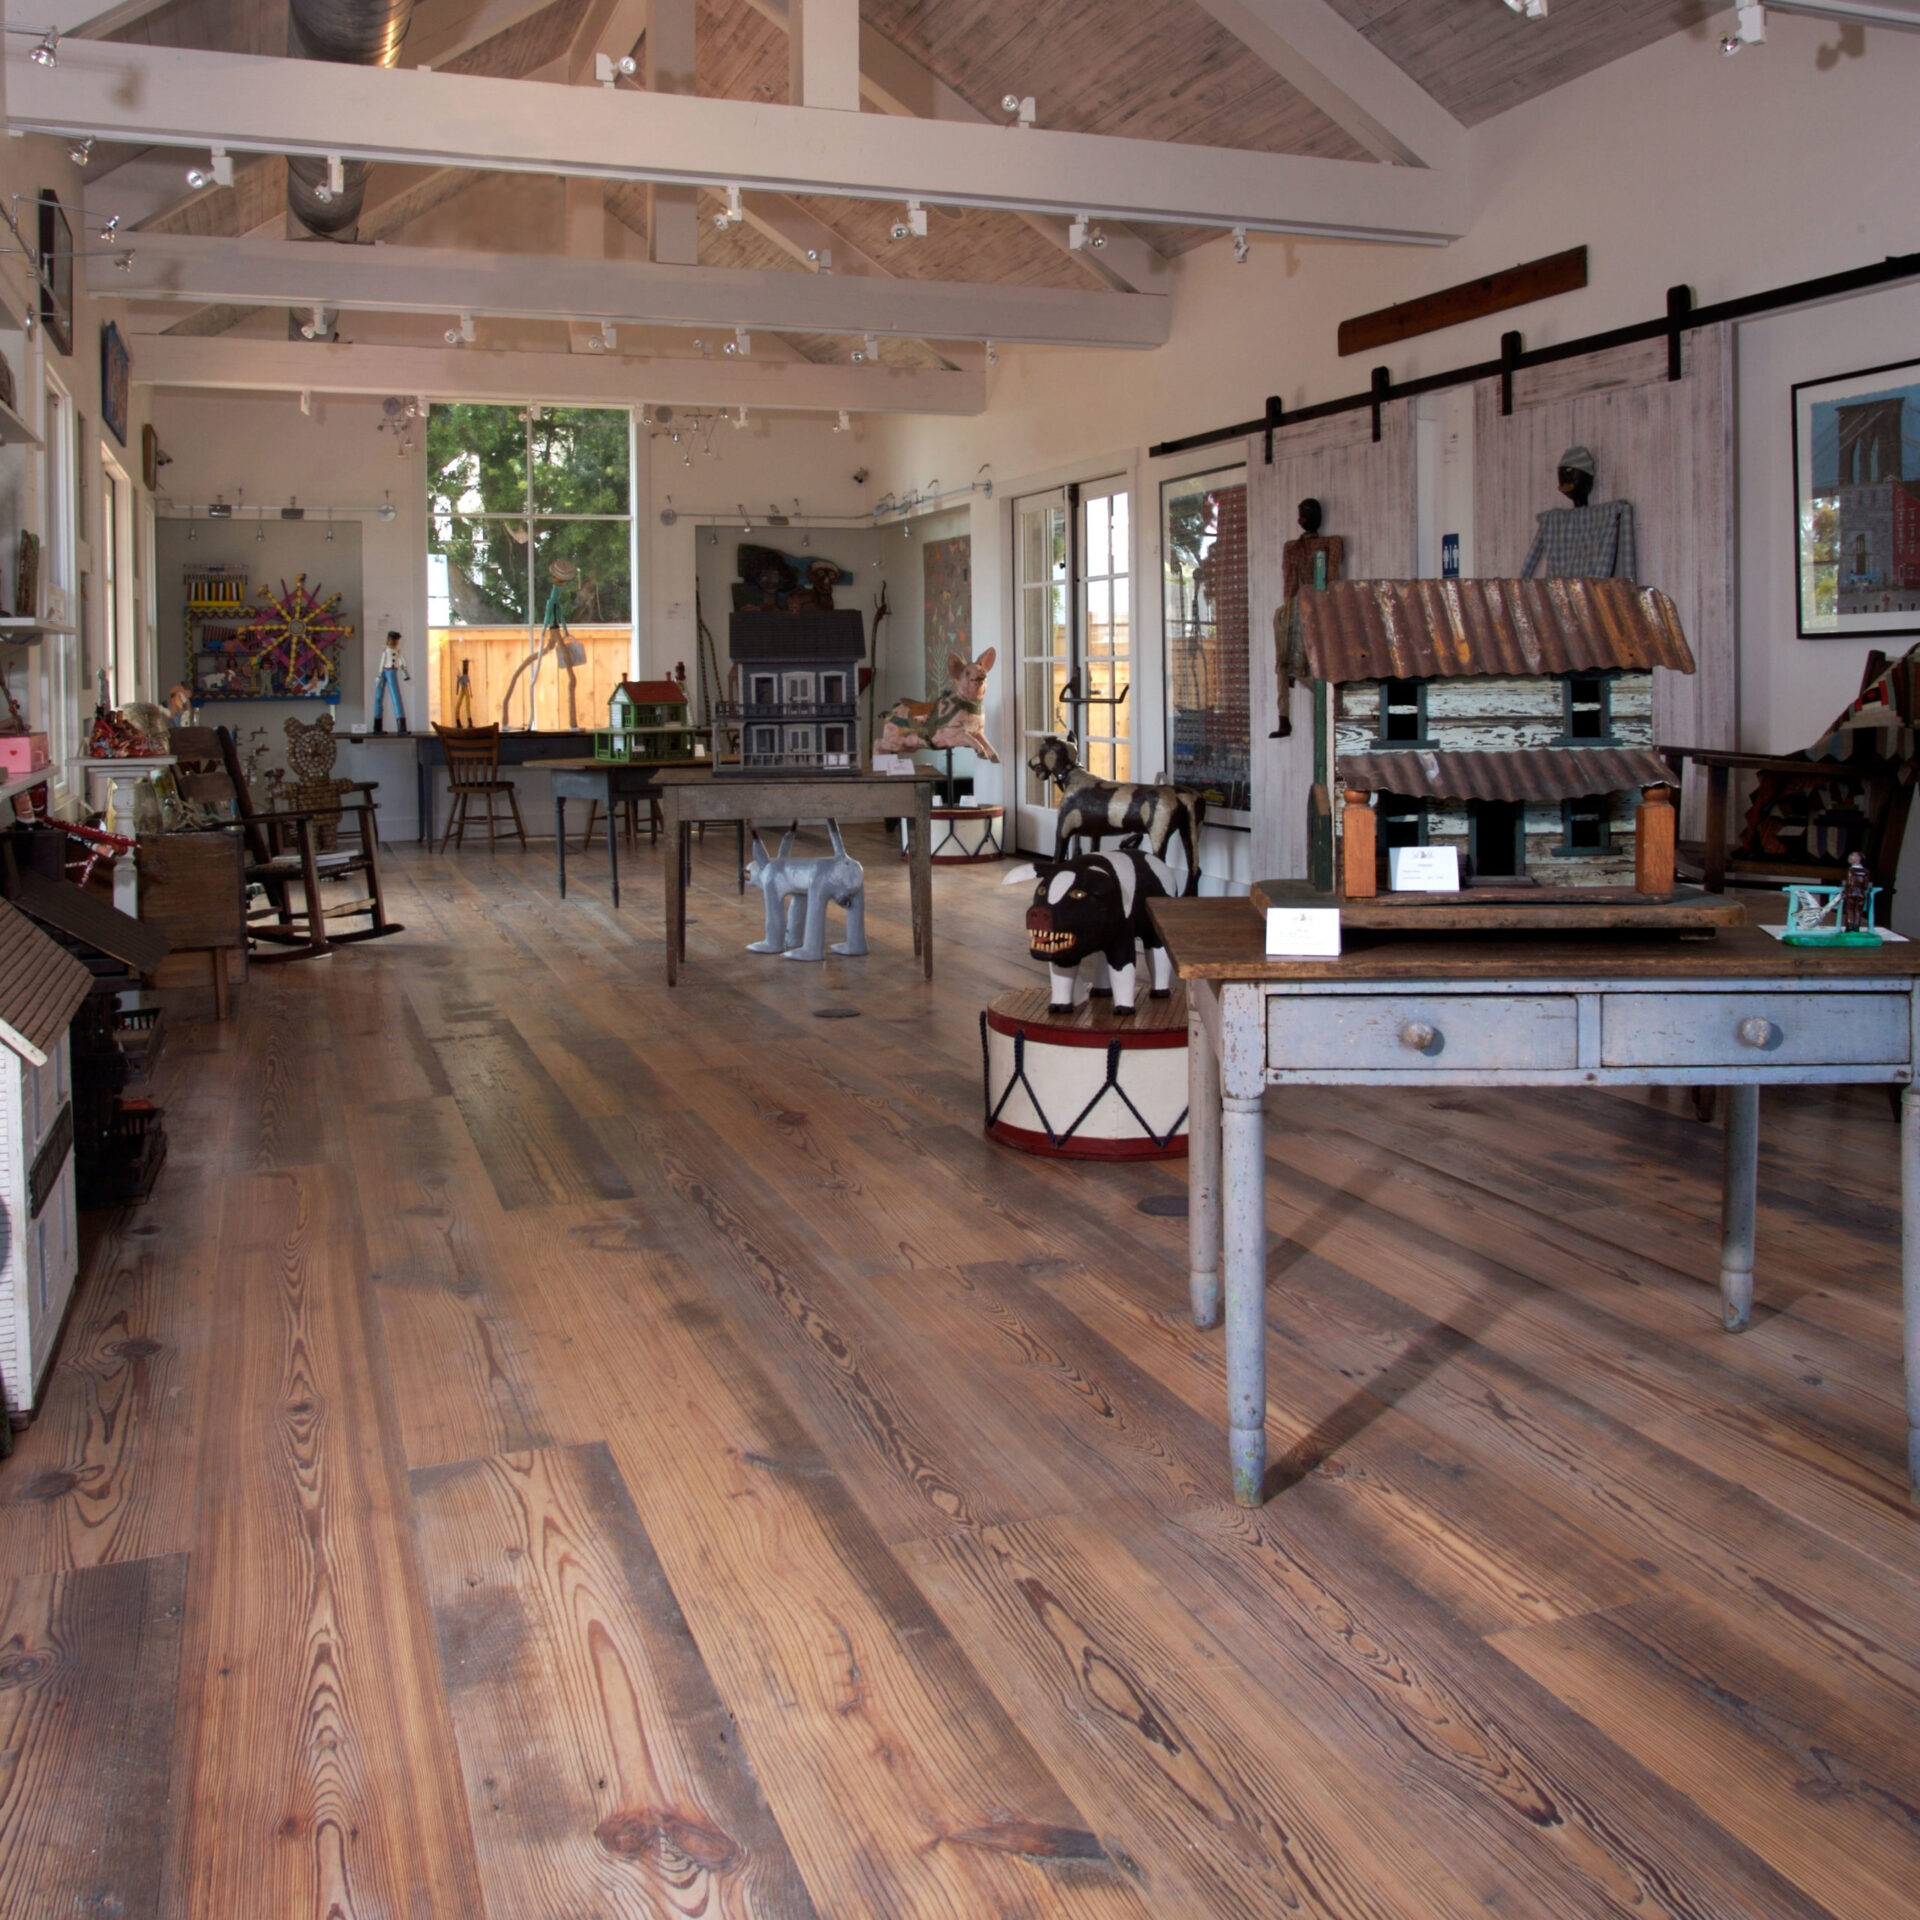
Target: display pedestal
{"x":1085,"y":1083}
{"x":962,"y":835}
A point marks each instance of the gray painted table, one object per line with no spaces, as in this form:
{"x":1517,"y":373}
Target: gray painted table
{"x":1738,"y":1011}
{"x":688,"y":795}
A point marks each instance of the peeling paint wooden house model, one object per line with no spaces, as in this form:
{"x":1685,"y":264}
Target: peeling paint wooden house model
{"x":1509,"y":719}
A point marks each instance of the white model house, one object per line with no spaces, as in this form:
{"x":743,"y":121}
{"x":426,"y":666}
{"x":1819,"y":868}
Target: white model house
{"x":41,"y":988}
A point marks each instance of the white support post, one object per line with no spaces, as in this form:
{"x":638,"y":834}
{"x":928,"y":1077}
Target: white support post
{"x":823,"y":54}
{"x":673,"y":215}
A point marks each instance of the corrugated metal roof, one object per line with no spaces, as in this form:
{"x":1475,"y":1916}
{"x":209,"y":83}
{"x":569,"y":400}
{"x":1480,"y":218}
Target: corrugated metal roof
{"x":41,"y":987}
{"x":755,"y":634}
{"x":1538,"y":773}
{"x":1428,"y":629}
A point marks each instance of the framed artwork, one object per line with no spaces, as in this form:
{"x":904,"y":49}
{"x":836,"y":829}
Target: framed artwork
{"x":948,"y":568}
{"x":1856,"y":499}
{"x":116,"y":378}
{"x":56,"y":266}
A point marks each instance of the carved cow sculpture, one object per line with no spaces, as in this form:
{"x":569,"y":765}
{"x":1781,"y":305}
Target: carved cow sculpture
{"x":795,"y":888}
{"x":1095,"y":908}
{"x":1096,"y":808}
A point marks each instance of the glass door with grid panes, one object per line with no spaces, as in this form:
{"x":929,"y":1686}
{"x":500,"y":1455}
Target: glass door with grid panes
{"x":1074,"y":553}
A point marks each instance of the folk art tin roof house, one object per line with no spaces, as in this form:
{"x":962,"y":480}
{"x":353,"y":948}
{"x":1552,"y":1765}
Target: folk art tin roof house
{"x":1509,"y":719}
{"x":646,"y":720}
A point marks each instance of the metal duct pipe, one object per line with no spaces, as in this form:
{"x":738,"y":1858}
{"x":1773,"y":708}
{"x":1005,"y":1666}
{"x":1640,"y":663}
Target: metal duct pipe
{"x":364,"y":33}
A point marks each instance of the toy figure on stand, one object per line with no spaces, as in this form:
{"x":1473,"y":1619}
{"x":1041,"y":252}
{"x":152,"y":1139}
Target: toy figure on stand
{"x":554,"y":638}
{"x":1584,"y":541}
{"x":463,"y":695}
{"x":1310,"y":561}
{"x":393,"y":669}
{"x":1856,"y":896}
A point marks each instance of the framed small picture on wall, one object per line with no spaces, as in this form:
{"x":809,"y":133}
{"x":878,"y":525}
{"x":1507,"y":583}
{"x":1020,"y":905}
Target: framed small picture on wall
{"x":56,"y":267}
{"x":1856,"y":496}
{"x":116,"y":378}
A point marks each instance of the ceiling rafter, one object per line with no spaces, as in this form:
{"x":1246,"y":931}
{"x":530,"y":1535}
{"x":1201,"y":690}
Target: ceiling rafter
{"x":171,"y":96}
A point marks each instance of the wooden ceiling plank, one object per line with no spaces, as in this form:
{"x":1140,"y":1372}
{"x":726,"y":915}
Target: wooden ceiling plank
{"x":443,"y":30}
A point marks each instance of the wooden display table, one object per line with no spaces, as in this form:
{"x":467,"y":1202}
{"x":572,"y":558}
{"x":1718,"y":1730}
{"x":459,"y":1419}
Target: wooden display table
{"x":692,"y":794}
{"x":1086,"y":1083}
{"x":601,"y":782}
{"x":1739,"y":1011}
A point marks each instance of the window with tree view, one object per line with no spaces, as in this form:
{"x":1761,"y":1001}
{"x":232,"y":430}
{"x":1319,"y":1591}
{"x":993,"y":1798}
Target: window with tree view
{"x":529,"y":562}
{"x":1205,"y":548}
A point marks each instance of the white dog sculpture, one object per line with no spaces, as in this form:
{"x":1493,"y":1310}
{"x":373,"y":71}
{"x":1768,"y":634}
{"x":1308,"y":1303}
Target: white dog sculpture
{"x":783,"y":881}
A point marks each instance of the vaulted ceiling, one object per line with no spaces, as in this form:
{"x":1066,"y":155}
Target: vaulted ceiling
{"x":1325,"y":80}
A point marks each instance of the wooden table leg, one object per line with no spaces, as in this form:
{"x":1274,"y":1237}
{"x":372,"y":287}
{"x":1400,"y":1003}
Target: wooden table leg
{"x":560,"y":838}
{"x":1243,"y":1194}
{"x":1714,"y":875}
{"x":423,"y":788}
{"x":1737,"y":1195}
{"x":613,"y":847}
{"x":923,"y":876}
{"x":1203,"y":1169}
{"x":739,"y":856}
{"x":676,"y":881}
{"x":1910,"y":1277}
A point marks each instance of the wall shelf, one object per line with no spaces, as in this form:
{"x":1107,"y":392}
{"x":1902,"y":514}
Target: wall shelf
{"x":14,"y":432}
{"x":19,"y":629}
{"x":13,"y":783}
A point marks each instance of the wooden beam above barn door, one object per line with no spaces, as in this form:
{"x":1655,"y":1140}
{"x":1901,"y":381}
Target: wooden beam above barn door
{"x":294,"y":366}
{"x":400,"y":279}
{"x":179,"y":97}
{"x":1322,"y":55}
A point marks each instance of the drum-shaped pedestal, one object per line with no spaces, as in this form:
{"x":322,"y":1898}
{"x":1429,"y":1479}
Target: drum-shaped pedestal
{"x":962,"y":835}
{"x":1085,"y":1084}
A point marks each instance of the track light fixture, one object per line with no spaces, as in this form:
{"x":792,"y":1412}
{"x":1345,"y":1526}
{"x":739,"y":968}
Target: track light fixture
{"x":318,"y":325}
{"x":739,"y":416}
{"x":608,"y":70}
{"x":741,"y":343}
{"x":993,"y":354}
{"x":1750,"y":27}
{"x":47,"y":53}
{"x":733,"y":214}
{"x":1241,"y":250}
{"x":869,"y":349}
{"x":336,"y":181}
{"x":463,"y":335}
{"x":81,"y":151}
{"x":606,"y":339}
{"x":1019,"y":106}
{"x":1529,"y":9}
{"x":845,"y":424}
{"x":914,"y":226}
{"x":1082,"y":232}
{"x":218,"y":171}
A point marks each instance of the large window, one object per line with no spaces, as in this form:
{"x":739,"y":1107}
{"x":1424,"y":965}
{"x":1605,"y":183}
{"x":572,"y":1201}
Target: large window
{"x":1204,"y":529}
{"x":530,"y":517}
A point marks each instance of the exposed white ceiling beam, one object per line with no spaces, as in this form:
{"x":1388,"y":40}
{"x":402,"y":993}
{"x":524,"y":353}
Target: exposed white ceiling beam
{"x":293,"y":366}
{"x":823,"y":54}
{"x":795,"y":231}
{"x":610,"y":27}
{"x":178,"y":97}
{"x":1348,"y":78}
{"x":399,"y":279}
{"x":443,"y":30}
{"x":895,"y":82}
{"x":84,"y":19}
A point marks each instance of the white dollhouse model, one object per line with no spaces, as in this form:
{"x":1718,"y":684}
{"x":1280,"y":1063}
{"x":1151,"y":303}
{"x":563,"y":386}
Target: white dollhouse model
{"x":42,"y":986}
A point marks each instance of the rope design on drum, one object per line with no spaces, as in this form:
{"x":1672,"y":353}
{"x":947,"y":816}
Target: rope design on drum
{"x":1111,"y":1085}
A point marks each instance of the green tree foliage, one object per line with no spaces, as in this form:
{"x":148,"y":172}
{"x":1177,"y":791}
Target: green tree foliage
{"x":503,"y":489}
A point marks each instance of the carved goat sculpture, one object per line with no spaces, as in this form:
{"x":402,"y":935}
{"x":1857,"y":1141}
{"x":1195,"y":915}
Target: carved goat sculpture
{"x":1097,"y":808}
{"x":1095,"y":908}
{"x":953,"y":720}
{"x":785,"y":883}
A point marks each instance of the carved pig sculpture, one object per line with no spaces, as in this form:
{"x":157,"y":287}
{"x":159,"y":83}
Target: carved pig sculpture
{"x":1095,"y":908}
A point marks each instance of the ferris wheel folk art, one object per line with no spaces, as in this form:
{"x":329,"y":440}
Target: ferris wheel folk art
{"x":291,"y":646}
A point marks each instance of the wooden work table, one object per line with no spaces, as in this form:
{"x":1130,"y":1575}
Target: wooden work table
{"x":1739,"y":1010}
{"x":689,"y":795}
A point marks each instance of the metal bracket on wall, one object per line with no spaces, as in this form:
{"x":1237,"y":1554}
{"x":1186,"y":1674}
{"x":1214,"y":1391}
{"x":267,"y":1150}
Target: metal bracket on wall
{"x":1679,"y":313}
{"x":1273,"y":420}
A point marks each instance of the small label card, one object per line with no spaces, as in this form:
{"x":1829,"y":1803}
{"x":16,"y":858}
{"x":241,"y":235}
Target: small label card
{"x":1424,"y":869}
{"x":896,"y":764}
{"x":1303,"y":933}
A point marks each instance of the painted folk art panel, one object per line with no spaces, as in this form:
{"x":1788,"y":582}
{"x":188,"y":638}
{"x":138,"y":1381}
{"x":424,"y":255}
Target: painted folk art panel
{"x":948,"y":569}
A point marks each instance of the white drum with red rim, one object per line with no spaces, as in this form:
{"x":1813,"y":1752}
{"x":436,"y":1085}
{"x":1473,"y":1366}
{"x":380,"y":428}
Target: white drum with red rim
{"x":962,"y":835}
{"x":1086,"y":1083}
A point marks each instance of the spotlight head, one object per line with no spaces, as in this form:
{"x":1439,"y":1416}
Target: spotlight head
{"x":81,"y":152}
{"x":1009,"y":103}
{"x":47,"y":53}
{"x":1241,"y":249}
{"x":899,"y":230}
{"x":198,"y":177}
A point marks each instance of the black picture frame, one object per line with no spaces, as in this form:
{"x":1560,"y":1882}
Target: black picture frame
{"x":56,"y":269}
{"x":116,"y":381}
{"x":1856,"y":510}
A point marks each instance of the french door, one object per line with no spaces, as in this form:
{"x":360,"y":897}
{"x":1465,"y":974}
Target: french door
{"x":1074,"y":550}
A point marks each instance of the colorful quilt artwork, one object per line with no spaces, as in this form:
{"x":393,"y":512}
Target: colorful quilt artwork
{"x":948,"y":569}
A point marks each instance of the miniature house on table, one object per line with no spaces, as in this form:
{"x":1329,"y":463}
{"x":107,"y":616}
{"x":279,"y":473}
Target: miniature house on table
{"x":798,"y":677}
{"x":1510,"y":719}
{"x":646,"y":720}
{"x":42,"y":986}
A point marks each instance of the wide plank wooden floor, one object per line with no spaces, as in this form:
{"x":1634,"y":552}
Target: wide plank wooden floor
{"x":554,"y":1448}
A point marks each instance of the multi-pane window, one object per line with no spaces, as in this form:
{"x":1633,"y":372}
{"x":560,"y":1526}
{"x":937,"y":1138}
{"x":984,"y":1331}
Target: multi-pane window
{"x":1400,"y":822}
{"x":1589,"y":706}
{"x":530,"y":526}
{"x":1403,"y":712}
{"x":1586,"y":824}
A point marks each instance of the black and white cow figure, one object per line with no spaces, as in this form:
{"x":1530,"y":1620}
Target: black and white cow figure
{"x":1094,"y":908}
{"x":1096,"y":808}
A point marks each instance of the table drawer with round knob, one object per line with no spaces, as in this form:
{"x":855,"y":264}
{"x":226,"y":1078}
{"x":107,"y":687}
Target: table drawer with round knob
{"x":1762,"y":1029}
{"x":1405,"y":1033}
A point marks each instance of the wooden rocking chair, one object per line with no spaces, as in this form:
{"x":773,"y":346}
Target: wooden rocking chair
{"x":282,"y":857}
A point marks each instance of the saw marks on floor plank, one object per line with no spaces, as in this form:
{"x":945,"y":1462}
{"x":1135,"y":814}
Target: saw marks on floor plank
{"x":89,"y":1666}
{"x":603,"y":1774}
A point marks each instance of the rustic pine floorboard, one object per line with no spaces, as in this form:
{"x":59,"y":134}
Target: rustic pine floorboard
{"x":557,"y":1449}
